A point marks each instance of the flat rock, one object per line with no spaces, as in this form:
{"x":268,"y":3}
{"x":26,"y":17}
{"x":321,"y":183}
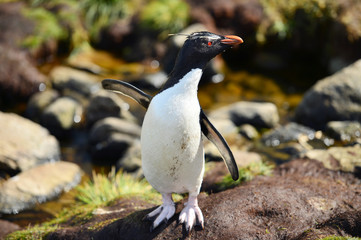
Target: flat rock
{"x":37,"y":185}
{"x":25,"y":144}
{"x":260,"y":115}
{"x":334,"y":98}
{"x":347,"y":159}
{"x":301,"y":197}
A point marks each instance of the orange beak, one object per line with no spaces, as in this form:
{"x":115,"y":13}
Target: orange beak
{"x":232,"y":40}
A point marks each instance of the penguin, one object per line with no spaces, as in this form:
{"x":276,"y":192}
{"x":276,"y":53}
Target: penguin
{"x":171,"y":136}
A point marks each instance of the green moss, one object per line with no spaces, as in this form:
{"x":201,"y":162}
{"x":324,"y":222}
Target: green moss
{"x":340,"y":238}
{"x":246,"y":174}
{"x":34,"y":232}
{"x":165,"y":16}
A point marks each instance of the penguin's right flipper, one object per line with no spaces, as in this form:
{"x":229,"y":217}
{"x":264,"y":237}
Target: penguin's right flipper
{"x":217,"y":139}
{"x":127,"y":89}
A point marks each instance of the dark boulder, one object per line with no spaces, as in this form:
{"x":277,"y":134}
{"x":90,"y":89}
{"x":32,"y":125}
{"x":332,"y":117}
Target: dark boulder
{"x":335,"y":98}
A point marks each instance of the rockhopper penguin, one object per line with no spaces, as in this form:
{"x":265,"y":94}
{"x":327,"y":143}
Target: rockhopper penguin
{"x":171,"y":137}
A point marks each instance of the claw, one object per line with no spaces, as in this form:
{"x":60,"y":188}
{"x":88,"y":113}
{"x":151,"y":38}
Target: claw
{"x":163,"y":213}
{"x":191,"y":215}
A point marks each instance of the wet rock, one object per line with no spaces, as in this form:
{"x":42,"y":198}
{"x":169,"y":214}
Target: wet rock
{"x":300,"y":196}
{"x":288,"y":133}
{"x":106,"y":104}
{"x":38,"y":102}
{"x":260,"y":115}
{"x":7,"y":227}
{"x":335,"y":98}
{"x":347,"y":159}
{"x":24,"y":144}
{"x":110,"y":138}
{"x":72,"y":82}
{"x":344,"y":130}
{"x":37,"y":185}
{"x":61,"y":116}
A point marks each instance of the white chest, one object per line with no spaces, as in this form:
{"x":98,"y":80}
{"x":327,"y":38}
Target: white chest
{"x":172,"y":154}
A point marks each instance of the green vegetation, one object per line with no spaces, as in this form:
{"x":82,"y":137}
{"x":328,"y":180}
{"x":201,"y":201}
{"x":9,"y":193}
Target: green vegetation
{"x":246,"y":173}
{"x":32,"y":233}
{"x":105,"y":189}
{"x":287,"y":16}
{"x":101,"y":13}
{"x":96,"y":193}
{"x":46,"y":27}
{"x":340,"y":238}
{"x":165,"y":16}
{"x":81,"y":21}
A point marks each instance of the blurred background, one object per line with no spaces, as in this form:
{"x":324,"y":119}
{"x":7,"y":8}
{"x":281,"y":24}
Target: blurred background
{"x":54,"y":54}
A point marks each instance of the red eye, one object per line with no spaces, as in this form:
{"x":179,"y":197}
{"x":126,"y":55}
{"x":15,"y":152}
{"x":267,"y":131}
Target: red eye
{"x":209,"y":43}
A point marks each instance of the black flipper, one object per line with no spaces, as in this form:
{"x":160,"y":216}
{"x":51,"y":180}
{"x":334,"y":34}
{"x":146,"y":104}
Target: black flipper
{"x":127,"y":89}
{"x":217,"y":139}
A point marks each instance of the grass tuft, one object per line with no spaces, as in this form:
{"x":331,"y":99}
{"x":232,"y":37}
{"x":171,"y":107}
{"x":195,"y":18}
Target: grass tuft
{"x":105,"y":189}
{"x":246,"y":174}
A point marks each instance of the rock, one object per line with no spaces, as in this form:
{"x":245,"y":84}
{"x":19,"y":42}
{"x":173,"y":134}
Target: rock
{"x":25,"y":144}
{"x":347,"y":159}
{"x":260,"y":115}
{"x":18,"y":75}
{"x":248,"y":131}
{"x":72,"y":82}
{"x":301,"y":197}
{"x":103,"y":128}
{"x":225,"y":126}
{"x":61,"y":116}
{"x":344,"y":130}
{"x":288,"y":133}
{"x":7,"y":227}
{"x":132,"y":161}
{"x":38,"y":102}
{"x":151,"y":82}
{"x":110,"y":138}
{"x":37,"y":185}
{"x":106,"y":104}
{"x":334,"y":98}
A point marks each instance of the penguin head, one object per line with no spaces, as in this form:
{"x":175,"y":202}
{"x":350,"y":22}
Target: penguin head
{"x":203,"y":46}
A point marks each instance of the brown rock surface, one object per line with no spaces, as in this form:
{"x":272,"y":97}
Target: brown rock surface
{"x":302,"y":200}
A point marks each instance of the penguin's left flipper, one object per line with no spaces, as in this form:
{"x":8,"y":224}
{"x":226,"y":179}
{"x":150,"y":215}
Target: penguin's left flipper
{"x":127,"y":89}
{"x":217,"y":139}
